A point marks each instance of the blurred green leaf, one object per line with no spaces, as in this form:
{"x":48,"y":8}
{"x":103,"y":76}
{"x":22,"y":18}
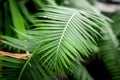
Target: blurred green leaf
{"x":17,"y":19}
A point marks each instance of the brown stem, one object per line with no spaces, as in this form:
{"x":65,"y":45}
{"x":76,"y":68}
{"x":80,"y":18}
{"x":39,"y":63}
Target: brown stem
{"x":3,"y":41}
{"x":15,"y":55}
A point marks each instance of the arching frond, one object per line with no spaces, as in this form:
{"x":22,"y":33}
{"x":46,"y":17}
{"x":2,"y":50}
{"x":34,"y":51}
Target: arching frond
{"x":68,"y":33}
{"x":26,"y":45}
{"x":110,"y":56}
{"x":62,"y":35}
{"x":116,"y":24}
{"x":84,"y":6}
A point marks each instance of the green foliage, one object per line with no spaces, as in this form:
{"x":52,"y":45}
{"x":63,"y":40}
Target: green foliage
{"x":58,"y":38}
{"x":16,"y":17}
{"x":109,"y":49}
{"x":83,"y":6}
{"x":62,"y":33}
{"x":12,"y":68}
{"x":116,"y":24}
{"x":92,"y":2}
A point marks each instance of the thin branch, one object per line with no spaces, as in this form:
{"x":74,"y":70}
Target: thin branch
{"x":15,"y":55}
{"x":3,"y":41}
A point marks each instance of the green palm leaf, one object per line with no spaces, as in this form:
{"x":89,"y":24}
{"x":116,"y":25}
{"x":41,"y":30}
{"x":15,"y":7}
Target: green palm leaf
{"x":68,"y":33}
{"x":61,"y":35}
{"x":80,"y":72}
{"x":26,"y":45}
{"x":33,"y":70}
{"x":17,"y":19}
{"x":116,"y":24}
{"x":11,"y":68}
{"x":109,"y":49}
{"x":84,"y":6}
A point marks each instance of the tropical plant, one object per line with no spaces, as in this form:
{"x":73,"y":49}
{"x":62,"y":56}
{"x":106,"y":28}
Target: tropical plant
{"x":116,"y":24}
{"x":59,"y":40}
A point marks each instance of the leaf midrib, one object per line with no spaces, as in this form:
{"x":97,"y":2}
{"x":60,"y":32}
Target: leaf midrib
{"x":64,"y":30}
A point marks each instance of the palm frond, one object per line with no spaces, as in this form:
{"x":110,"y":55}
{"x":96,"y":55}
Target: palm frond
{"x":80,"y":72}
{"x":11,"y":67}
{"x":62,"y":35}
{"x":84,"y":6}
{"x":16,"y":17}
{"x":12,"y":70}
{"x":66,"y":33}
{"x":116,"y":24}
{"x":109,"y":49}
{"x":33,"y":68}
{"x":19,"y":44}
{"x":8,"y":30}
